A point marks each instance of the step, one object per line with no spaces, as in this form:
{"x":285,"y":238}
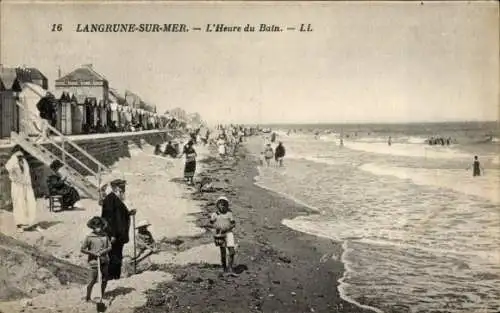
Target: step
{"x":46,"y":157}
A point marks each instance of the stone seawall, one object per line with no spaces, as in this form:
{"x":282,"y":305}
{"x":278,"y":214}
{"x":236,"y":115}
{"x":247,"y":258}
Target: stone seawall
{"x":107,"y":148}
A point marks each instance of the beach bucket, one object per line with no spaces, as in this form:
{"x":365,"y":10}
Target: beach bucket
{"x":220,"y":240}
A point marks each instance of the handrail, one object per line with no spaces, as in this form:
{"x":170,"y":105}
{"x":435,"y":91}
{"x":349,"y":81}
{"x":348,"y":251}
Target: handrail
{"x":57,"y":158}
{"x":91,"y":171}
{"x":85,"y":153}
{"x":57,"y":132}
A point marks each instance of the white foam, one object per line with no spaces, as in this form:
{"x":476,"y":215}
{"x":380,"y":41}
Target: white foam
{"x":416,"y":140}
{"x":485,"y":186}
{"x":408,"y":150}
{"x":343,"y":284}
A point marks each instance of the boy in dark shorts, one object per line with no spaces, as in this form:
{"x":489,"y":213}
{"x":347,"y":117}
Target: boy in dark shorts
{"x":97,"y":244}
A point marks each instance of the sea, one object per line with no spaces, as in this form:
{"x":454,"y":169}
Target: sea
{"x":419,"y":233}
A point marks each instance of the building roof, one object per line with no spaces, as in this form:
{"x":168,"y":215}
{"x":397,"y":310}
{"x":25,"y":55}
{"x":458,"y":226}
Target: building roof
{"x":120,"y":99}
{"x":32,"y":73}
{"x":12,"y":78}
{"x":84,"y":73}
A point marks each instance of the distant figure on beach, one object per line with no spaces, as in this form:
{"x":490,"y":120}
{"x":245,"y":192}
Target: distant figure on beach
{"x":341,"y":142}
{"x":273,"y":137}
{"x":117,"y":216}
{"x":223,"y":222}
{"x":279,"y":154}
{"x":389,"y":141}
{"x":157,"y":150}
{"x":268,"y":154}
{"x":22,"y":194}
{"x":47,"y":113}
{"x":221,"y":146}
{"x":57,"y":185}
{"x":170,"y":150}
{"x":190,"y":164}
{"x":477,"y":169}
{"x":97,"y":244}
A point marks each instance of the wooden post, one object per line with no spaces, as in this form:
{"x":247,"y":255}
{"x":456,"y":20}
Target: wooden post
{"x":63,"y":150}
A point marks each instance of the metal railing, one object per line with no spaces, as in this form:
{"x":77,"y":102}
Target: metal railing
{"x":30,"y":121}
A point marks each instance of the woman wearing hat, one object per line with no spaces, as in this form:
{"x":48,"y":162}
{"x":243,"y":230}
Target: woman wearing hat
{"x":223,"y":222}
{"x":117,"y":215}
{"x":22,"y":195}
{"x":190,"y":165}
{"x":57,"y":185}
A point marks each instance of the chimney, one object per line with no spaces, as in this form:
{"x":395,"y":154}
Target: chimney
{"x":59,"y":72}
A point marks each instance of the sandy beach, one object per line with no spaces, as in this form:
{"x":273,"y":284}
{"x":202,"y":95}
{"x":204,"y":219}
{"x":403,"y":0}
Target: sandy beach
{"x":152,"y":190}
{"x":280,"y":270}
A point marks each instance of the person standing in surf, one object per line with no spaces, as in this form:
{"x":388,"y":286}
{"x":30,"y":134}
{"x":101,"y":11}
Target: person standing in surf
{"x":477,"y":169}
{"x":268,"y":154}
{"x":279,"y":154}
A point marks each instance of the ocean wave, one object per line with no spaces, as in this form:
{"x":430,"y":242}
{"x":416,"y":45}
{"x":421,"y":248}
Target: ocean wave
{"x":485,"y":186}
{"x":408,"y":150}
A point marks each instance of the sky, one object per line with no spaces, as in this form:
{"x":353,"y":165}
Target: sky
{"x":377,"y":62}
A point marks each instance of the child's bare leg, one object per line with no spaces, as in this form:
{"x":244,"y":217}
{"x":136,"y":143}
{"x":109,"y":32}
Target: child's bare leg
{"x":231,"y":258}
{"x":104,"y":283}
{"x":90,"y":286}
{"x":223,"y":258}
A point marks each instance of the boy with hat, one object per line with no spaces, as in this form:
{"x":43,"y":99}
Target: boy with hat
{"x":144,"y":240}
{"x":223,"y":222}
{"x":97,"y":245}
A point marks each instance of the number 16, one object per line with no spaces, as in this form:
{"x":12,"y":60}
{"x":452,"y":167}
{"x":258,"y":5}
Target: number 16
{"x":56,"y":27}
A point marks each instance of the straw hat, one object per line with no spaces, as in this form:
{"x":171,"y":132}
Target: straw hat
{"x":143,"y":223}
{"x":221,"y":199}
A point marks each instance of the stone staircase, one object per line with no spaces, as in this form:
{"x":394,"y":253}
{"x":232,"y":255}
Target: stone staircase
{"x":81,"y":170}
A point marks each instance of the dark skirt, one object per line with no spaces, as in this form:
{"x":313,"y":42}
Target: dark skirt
{"x":189,"y":169}
{"x":58,"y":187}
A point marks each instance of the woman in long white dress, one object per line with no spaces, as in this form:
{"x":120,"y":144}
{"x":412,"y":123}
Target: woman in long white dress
{"x":22,"y":194}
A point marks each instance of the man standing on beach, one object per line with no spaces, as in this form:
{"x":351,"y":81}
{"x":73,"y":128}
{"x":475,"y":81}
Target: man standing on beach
{"x":117,"y":215}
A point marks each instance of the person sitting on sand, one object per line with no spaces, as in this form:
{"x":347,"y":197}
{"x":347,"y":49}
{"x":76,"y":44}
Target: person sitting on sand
{"x":477,"y":169}
{"x":144,"y":241}
{"x":97,"y":245}
{"x":57,"y":185}
{"x":157,"y":150}
{"x":223,"y":222}
{"x":279,"y":154}
{"x":170,"y":150}
{"x":268,"y":154}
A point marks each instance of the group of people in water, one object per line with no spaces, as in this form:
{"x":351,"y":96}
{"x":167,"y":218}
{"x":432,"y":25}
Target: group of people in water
{"x":436,"y":141}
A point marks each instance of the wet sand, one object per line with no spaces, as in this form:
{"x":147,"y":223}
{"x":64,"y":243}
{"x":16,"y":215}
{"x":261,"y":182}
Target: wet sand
{"x":280,"y":270}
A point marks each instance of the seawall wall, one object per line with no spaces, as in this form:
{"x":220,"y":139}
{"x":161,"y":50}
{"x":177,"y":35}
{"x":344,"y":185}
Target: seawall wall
{"x":107,"y":148}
